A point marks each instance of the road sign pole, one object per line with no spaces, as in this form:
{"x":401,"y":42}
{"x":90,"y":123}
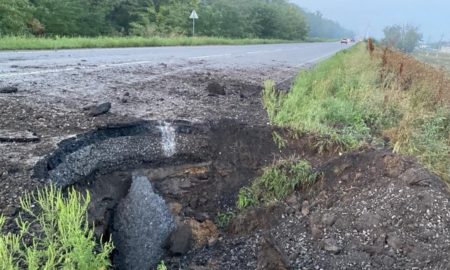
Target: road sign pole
{"x":193,"y":16}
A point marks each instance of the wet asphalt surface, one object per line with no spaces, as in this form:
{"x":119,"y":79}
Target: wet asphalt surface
{"x":23,"y":63}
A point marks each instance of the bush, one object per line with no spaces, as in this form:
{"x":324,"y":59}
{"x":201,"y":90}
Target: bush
{"x":60,"y":239}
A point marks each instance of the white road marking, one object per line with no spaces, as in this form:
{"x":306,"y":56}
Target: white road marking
{"x":210,"y":56}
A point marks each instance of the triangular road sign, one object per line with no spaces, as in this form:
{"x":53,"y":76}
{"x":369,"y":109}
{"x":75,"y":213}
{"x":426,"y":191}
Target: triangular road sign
{"x":193,"y":15}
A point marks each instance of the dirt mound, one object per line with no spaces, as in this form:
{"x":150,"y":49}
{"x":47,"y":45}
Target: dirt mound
{"x":371,"y":210}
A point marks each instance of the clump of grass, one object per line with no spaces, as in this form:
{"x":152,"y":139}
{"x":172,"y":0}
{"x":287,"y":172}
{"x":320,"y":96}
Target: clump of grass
{"x":277,"y":182}
{"x":60,"y":239}
{"x":279,"y":140}
{"x":355,"y":98}
{"x":38,"y":43}
{"x":224,"y":218}
{"x":161,"y":266}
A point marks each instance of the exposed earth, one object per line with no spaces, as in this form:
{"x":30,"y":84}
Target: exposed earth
{"x":98,"y":128}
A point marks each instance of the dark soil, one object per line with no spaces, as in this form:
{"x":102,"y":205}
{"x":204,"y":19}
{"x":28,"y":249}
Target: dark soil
{"x":371,"y":210}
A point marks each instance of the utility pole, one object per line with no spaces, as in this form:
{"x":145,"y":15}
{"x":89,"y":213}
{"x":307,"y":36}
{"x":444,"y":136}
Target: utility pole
{"x":367,"y":31}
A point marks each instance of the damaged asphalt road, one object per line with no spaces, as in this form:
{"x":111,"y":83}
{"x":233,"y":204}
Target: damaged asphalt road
{"x":55,"y":87}
{"x":89,"y":112}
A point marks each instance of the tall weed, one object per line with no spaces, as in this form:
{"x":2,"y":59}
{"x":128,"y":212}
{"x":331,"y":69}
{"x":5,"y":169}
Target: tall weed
{"x":60,"y":239}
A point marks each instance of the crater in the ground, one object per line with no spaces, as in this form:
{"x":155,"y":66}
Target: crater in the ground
{"x":197,"y":168}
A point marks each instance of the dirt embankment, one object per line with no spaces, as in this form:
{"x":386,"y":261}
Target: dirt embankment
{"x":371,"y":210}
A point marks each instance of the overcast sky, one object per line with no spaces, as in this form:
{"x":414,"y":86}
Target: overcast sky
{"x":432,"y":16}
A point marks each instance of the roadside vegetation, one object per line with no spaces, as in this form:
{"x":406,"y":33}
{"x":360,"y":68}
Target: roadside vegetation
{"x":362,"y":97}
{"x":53,"y":233}
{"x":28,"y":42}
{"x":112,"y":23}
{"x":276,"y":183}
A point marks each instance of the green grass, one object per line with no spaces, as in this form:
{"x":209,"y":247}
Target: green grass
{"x":224,"y":218}
{"x":36,"y":43}
{"x":321,"y":100}
{"x":318,"y":39}
{"x":276,"y":183}
{"x":61,"y":237}
{"x":161,"y":266}
{"x":354,"y":99}
{"x":279,"y":140}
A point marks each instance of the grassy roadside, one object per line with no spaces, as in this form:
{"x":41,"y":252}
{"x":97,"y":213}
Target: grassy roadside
{"x":354,"y":98}
{"x":35,"y":43}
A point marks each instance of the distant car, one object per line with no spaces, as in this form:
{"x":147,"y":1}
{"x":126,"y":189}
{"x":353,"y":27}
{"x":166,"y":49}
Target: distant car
{"x":344,"y":41}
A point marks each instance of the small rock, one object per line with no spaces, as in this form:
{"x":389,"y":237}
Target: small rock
{"x":180,"y":240}
{"x":212,"y":241}
{"x":126,"y":94}
{"x":416,"y":177}
{"x":394,"y":166}
{"x":394,"y":241}
{"x":292,"y":200}
{"x":175,"y":208}
{"x":202,"y":231}
{"x":201,"y":217}
{"x":270,"y":256}
{"x":10,"y":211}
{"x":331,"y":246}
{"x":305,"y":208}
{"x":97,"y":110}
{"x":367,"y":220}
{"x":215,"y":88}
{"x":8,"y":89}
{"x":316,"y":232}
{"x":329,"y":219}
{"x":124,"y":100}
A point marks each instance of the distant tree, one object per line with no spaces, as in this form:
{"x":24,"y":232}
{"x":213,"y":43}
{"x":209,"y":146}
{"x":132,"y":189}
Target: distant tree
{"x":405,"y":38}
{"x":252,"y":18}
{"x":224,"y":18}
{"x":14,"y":16}
{"x":324,"y":28}
{"x":73,"y":17}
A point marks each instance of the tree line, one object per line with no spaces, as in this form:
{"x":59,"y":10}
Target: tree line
{"x":323,"y":27}
{"x":226,"y":18}
{"x":403,"y":37}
